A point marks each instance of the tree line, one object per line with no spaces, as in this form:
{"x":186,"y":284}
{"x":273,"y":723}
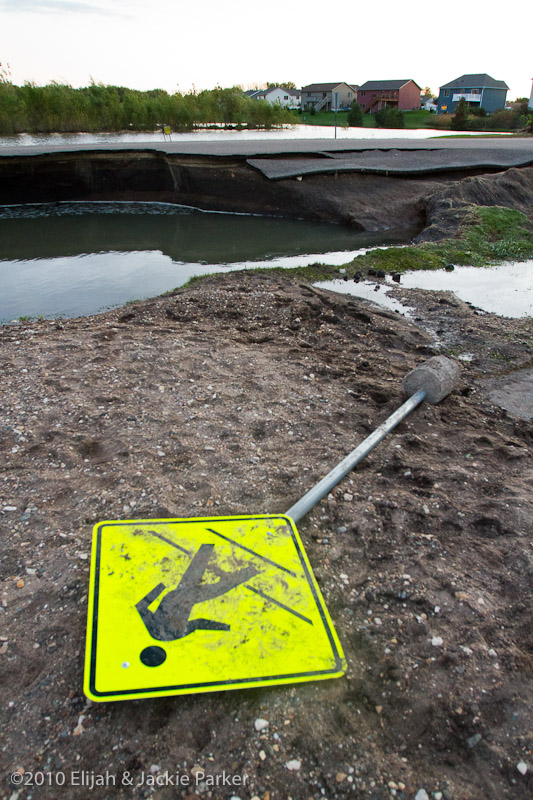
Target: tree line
{"x":59,"y":108}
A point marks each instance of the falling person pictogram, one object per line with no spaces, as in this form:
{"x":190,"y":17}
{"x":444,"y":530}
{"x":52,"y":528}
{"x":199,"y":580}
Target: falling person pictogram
{"x":171,"y":620}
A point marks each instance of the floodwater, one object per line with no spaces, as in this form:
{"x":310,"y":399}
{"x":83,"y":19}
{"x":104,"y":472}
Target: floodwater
{"x":76,"y":259}
{"x":506,"y":290}
{"x":366,"y":290}
{"x":221,"y":135}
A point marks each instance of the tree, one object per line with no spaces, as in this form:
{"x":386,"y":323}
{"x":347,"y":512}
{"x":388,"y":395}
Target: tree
{"x":284,"y":85}
{"x":355,"y":115}
{"x":5,"y":73}
{"x":460,"y":117}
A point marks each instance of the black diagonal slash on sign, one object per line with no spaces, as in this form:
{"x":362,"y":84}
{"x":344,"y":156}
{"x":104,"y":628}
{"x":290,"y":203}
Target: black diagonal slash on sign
{"x":170,"y":620}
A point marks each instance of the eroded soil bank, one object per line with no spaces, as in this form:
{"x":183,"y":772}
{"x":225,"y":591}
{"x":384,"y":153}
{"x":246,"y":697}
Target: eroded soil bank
{"x":424,"y":201}
{"x":235,"y":396}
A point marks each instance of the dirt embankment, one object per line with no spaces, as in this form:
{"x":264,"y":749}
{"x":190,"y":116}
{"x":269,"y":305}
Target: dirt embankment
{"x":235,"y":397}
{"x":444,"y":208}
{"x":364,"y":201}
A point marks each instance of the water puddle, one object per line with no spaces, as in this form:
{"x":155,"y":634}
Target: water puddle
{"x":367,"y":290}
{"x":73,"y":259}
{"x":506,"y":290}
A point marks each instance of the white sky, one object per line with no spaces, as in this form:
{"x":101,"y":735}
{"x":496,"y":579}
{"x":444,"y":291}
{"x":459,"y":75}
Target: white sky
{"x":175,"y":44}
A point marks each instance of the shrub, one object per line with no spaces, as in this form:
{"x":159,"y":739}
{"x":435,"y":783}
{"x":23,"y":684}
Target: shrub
{"x":389,"y":118}
{"x":60,"y":108}
{"x":355,"y":115}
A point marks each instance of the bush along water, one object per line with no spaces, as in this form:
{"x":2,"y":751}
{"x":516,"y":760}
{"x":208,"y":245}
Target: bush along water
{"x":59,"y":108}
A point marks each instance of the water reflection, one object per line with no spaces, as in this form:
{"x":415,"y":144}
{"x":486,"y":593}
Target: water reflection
{"x":80,"y":258}
{"x":506,"y":290}
{"x":366,"y":290}
{"x":210,"y":135}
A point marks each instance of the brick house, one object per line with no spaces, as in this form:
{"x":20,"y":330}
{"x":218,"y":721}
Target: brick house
{"x":404,"y":95}
{"x":321,"y":96}
{"x":479,"y":91}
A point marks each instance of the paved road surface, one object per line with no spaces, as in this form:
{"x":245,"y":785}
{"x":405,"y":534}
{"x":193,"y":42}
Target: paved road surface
{"x":285,"y":158}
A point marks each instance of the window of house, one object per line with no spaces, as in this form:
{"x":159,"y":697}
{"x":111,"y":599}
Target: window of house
{"x":446,"y":93}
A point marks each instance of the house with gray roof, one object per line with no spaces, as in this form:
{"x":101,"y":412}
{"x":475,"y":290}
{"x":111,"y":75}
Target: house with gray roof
{"x":479,"y":91}
{"x":290,"y":98}
{"x":322,"y":96}
{"x":402,"y":94}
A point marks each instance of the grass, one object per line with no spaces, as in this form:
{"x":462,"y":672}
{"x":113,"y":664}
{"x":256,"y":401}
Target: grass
{"x":413,"y":119}
{"x":488,"y":235}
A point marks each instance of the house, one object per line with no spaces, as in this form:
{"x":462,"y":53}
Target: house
{"x":429,"y":105}
{"x":276,"y":94}
{"x":403,"y":95}
{"x":322,"y":96}
{"x":479,"y":91}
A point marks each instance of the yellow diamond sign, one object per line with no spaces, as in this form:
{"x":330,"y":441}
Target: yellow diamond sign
{"x":182,"y":606}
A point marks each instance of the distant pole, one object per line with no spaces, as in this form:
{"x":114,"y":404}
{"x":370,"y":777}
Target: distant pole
{"x":336,"y":108}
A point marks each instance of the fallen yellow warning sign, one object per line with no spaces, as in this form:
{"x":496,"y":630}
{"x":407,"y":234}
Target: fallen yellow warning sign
{"x":198,"y":605}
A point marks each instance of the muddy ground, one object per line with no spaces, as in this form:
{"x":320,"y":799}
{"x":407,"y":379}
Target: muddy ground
{"x":235,"y":396}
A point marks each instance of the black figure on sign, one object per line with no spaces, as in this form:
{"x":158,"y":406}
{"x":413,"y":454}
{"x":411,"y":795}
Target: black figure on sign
{"x":170,"y":620}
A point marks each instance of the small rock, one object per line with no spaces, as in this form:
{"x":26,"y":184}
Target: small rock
{"x":155,"y":768}
{"x":437,"y":641}
{"x":261,"y":724}
{"x":348,"y":497}
{"x":472,"y":741}
{"x":20,"y":584}
{"x":262,"y":755}
{"x":293,"y":765}
{"x":421,"y":795}
{"x":340,"y":777}
{"x":522,"y":767}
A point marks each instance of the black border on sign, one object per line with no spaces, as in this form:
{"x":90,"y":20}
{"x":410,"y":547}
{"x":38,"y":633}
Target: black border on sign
{"x":244,"y":682}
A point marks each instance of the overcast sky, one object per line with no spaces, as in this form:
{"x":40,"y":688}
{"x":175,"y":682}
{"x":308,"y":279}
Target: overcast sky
{"x":175,"y":44}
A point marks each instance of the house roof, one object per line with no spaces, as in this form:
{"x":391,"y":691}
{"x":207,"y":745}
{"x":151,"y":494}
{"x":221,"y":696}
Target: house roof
{"x":293,"y":92}
{"x":324,"y":87}
{"x":480,"y":81}
{"x":379,"y":85}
